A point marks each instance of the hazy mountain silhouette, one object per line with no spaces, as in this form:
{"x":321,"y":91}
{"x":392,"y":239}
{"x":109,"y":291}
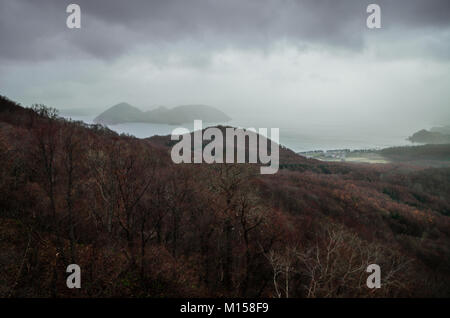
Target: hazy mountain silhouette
{"x":431,"y":137}
{"x":126,"y":113}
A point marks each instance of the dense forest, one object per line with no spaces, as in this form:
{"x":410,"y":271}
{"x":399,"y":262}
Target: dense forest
{"x":140,"y":226}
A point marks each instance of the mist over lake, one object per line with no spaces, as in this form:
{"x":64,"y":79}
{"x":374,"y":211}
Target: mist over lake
{"x":304,"y":136}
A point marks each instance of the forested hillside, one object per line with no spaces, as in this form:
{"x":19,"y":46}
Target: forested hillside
{"x":140,"y":226}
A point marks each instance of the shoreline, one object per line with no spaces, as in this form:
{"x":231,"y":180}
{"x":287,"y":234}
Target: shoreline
{"x":425,"y":155}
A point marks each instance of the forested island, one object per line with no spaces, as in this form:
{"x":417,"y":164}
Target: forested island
{"x":126,"y":113}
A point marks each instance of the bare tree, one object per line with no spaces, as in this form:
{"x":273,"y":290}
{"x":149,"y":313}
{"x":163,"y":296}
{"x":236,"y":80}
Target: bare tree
{"x":282,"y":265}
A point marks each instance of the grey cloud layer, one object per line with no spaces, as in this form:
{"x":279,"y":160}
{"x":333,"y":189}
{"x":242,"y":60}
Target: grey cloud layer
{"x":35,"y":30}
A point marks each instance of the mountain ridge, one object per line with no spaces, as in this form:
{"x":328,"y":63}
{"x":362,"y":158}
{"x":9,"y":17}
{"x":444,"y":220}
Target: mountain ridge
{"x":126,"y":113}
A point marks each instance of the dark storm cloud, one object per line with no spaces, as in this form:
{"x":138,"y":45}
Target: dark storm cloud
{"x":35,"y":30}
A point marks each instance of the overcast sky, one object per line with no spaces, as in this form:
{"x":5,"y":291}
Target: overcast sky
{"x":283,"y":59}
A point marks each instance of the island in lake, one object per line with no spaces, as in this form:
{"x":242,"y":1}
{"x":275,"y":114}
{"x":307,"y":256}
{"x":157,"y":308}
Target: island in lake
{"x":126,"y":113}
{"x":436,"y":135}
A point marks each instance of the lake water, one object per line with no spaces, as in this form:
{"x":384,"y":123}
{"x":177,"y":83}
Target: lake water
{"x":305,"y":136}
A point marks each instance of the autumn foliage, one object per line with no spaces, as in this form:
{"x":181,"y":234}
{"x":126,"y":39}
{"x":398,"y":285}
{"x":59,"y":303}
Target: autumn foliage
{"x":140,"y":226}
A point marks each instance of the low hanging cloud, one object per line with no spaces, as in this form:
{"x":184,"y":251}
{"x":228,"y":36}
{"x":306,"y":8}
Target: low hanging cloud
{"x":310,"y":60}
{"x":35,"y":30}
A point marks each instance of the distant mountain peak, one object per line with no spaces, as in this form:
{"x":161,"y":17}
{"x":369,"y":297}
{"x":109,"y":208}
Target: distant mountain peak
{"x":122,"y":112}
{"x":126,"y":113}
{"x":122,"y":104}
